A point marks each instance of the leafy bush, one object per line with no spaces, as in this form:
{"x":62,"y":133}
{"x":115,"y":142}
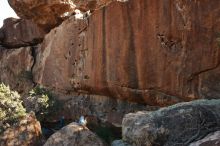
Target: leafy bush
{"x":11,"y":109}
{"x":42,"y":102}
{"x":40,"y":98}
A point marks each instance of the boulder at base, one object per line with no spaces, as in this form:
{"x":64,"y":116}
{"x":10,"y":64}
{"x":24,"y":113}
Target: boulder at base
{"x":119,"y":143}
{"x":74,"y":135}
{"x":26,"y":133}
{"x":212,"y":139}
{"x":180,"y":124}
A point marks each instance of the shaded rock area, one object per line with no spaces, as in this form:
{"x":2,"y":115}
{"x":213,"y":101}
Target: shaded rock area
{"x":147,"y":51}
{"x":46,"y":13}
{"x":212,"y":139}
{"x":26,"y":133}
{"x":180,"y":124}
{"x":101,"y":108}
{"x":103,"y":114}
{"x":74,"y":135}
{"x":15,"y":68}
{"x":17,"y":33}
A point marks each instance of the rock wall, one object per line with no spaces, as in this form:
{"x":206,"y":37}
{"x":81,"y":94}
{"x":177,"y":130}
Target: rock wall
{"x":15,"y":68}
{"x":17,"y":33}
{"x":137,"y":52}
{"x":18,"y":40}
{"x":155,"y":52}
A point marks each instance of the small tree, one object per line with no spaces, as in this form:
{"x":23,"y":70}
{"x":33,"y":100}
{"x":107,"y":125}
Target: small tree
{"x":42,"y":102}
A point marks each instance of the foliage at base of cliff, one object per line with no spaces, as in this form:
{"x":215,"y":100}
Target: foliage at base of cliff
{"x":11,"y":108}
{"x":42,"y":102}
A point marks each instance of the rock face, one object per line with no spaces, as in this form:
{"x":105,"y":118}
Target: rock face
{"x":180,"y":124}
{"x":155,"y":52}
{"x":15,"y":68}
{"x":27,"y":133}
{"x":20,"y":33}
{"x":54,"y":60}
{"x":212,"y":139}
{"x":74,"y":135}
{"x":46,"y":13}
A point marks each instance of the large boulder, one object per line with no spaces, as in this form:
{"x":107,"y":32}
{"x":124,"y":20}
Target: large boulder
{"x":26,"y":133}
{"x":180,"y":124}
{"x":158,"y":52}
{"x":15,"y":68}
{"x":74,"y":135}
{"x":119,"y":143}
{"x":212,"y":139}
{"x":20,"y":33}
{"x":46,"y":13}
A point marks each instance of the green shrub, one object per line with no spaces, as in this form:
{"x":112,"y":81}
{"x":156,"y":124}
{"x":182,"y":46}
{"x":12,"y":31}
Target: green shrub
{"x":42,"y":103}
{"x":42,"y":97}
{"x":11,"y":109}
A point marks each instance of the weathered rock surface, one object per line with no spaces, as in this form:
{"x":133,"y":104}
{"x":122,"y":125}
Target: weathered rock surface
{"x":212,"y":139}
{"x":53,"y":62}
{"x":86,"y":5}
{"x":15,"y":68}
{"x":180,"y":124}
{"x":156,"y":52}
{"x":74,"y":135}
{"x":26,"y":133}
{"x":46,"y":13}
{"x":20,"y":33}
{"x":102,"y":108}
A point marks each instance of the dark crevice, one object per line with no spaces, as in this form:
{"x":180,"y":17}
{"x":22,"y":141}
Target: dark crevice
{"x":34,"y":55}
{"x":131,"y":53}
{"x":49,"y":128}
{"x":25,"y":44}
{"x":106,"y":131}
{"x":194,"y":75}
